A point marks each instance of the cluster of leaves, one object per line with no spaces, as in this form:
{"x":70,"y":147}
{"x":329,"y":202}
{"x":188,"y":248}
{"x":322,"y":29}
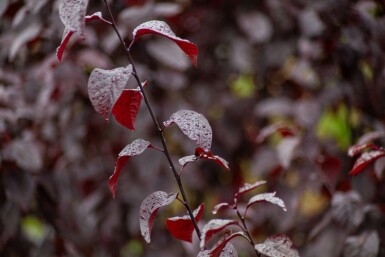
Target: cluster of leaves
{"x":287,"y":87}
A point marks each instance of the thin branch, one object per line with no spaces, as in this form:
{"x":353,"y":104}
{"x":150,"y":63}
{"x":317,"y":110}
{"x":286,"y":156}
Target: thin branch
{"x":156,"y":123}
{"x":246,"y":230}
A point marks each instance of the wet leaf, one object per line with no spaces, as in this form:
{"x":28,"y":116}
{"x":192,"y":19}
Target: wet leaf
{"x":366,"y":244}
{"x":212,"y":227}
{"x":248,"y":187}
{"x":135,"y":148}
{"x":359,"y":148}
{"x":277,"y":246}
{"x":220,"y":206}
{"x":161,"y":28}
{"x":190,"y":158}
{"x":182,"y":228}
{"x":72,"y":14}
{"x":220,"y":250}
{"x":105,"y":87}
{"x":364,"y":160}
{"x":126,"y":108}
{"x":194,"y":125}
{"x":208,"y":155}
{"x":267,"y":197}
{"x":67,"y":34}
{"x":149,"y":208}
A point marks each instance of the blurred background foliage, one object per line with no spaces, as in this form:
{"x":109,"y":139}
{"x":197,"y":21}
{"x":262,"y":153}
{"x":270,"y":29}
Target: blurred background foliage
{"x":314,"y":68}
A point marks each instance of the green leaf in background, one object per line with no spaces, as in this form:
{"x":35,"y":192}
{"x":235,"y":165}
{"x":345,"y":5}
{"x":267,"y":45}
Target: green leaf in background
{"x":243,"y":86}
{"x":33,"y":228}
{"x":335,"y":125}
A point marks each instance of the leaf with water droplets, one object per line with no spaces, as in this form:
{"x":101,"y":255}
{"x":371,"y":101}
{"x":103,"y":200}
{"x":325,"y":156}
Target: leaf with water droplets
{"x":149,"y":208}
{"x":277,"y":246}
{"x":67,"y":34}
{"x":161,"y":28}
{"x":365,"y":159}
{"x":182,"y":228}
{"x":220,"y":206}
{"x":267,"y":197}
{"x":135,"y":148}
{"x":212,"y":227}
{"x":208,"y":155}
{"x":72,"y":14}
{"x":190,"y":158}
{"x":105,"y":87}
{"x":228,"y":250}
{"x":194,"y":125}
{"x":357,"y":149}
{"x":126,"y":107}
{"x":248,"y":187}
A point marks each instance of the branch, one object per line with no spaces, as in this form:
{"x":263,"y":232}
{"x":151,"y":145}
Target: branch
{"x":246,"y":230}
{"x":156,"y":123}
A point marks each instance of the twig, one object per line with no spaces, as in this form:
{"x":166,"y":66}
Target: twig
{"x":246,"y":230}
{"x":156,"y":123}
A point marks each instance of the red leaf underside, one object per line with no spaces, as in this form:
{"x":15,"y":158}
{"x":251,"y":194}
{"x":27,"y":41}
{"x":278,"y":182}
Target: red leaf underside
{"x":127,"y":107}
{"x":212,"y":227}
{"x":357,"y":149}
{"x":364,"y":160}
{"x":113,"y":181}
{"x":208,"y":155}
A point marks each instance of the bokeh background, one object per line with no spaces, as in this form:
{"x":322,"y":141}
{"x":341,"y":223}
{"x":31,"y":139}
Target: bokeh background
{"x":313,"y":69}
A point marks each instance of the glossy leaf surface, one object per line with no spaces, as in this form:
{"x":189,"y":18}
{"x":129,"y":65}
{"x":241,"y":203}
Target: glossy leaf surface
{"x":277,"y":246}
{"x":364,"y":160}
{"x":127,"y":107}
{"x":267,"y":197}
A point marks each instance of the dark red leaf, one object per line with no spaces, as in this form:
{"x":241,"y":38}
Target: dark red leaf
{"x":106,"y":86}
{"x":135,"y":148}
{"x":206,"y":154}
{"x":194,"y":125}
{"x":212,"y":227}
{"x":149,"y":208}
{"x":359,"y":148}
{"x":182,"y":228}
{"x":248,"y":187}
{"x":126,"y":108}
{"x":267,"y":197}
{"x":161,"y":28}
{"x":67,"y":34}
{"x":365,"y":159}
{"x":277,"y":246}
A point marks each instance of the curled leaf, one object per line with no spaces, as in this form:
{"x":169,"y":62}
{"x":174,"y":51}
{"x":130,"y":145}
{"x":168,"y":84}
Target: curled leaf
{"x":182,"y":228}
{"x":149,"y":208}
{"x":106,"y":86}
{"x":127,"y":107}
{"x":365,"y":159}
{"x":212,"y":227}
{"x":206,"y":154}
{"x":359,"y":148}
{"x":220,"y":206}
{"x":135,"y":148}
{"x":277,"y":246}
{"x":267,"y":197}
{"x":190,"y":158}
{"x":248,"y":187}
{"x":161,"y":28}
{"x":194,"y":125}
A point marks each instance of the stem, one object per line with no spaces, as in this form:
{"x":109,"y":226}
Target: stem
{"x":156,"y":123}
{"x":246,"y":230}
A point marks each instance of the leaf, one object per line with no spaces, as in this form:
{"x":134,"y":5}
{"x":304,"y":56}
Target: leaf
{"x":248,"y":187}
{"x":359,"y":148}
{"x":221,"y":206}
{"x":212,"y":227}
{"x":364,"y":160}
{"x":25,"y":153}
{"x":227,"y":251}
{"x":149,"y":208}
{"x":126,"y":108}
{"x":283,"y":129}
{"x":277,"y":246}
{"x":366,"y":244}
{"x":190,"y":158}
{"x":205,"y":154}
{"x":67,"y":34}
{"x":182,"y":228}
{"x":286,"y":150}
{"x":105,"y":87}
{"x":161,"y":28}
{"x":135,"y":148}
{"x":194,"y":125}
{"x":72,"y":14}
{"x":267,"y":197}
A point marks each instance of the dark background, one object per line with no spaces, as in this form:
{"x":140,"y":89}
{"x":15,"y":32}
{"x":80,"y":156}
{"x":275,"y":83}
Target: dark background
{"x":316,"y":67}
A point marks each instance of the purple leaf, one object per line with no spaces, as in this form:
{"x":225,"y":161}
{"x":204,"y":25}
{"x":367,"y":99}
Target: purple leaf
{"x":72,"y":14}
{"x":267,"y":197}
{"x":149,"y":208}
{"x":182,"y":228}
{"x":105,"y":87}
{"x":194,"y":125}
{"x":126,"y":108}
{"x":161,"y":28}
{"x":365,"y":159}
{"x":359,"y":148}
{"x":67,"y":34}
{"x":248,"y":187}
{"x":135,"y":148}
{"x":277,"y":246}
{"x":212,"y":227}
{"x":220,"y":250}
